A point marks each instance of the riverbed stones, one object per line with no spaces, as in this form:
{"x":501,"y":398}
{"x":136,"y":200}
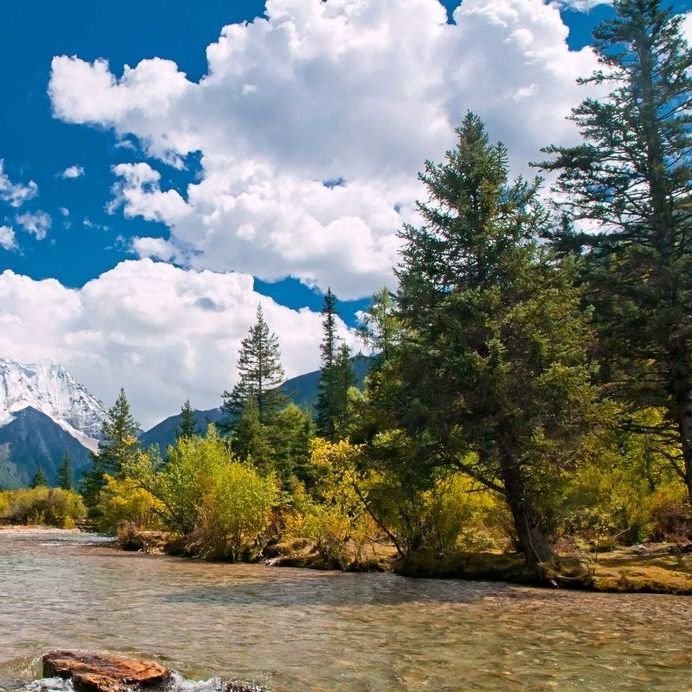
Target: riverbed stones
{"x":103,"y":672}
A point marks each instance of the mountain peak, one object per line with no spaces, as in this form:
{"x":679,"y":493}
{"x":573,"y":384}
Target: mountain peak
{"x":49,"y":388}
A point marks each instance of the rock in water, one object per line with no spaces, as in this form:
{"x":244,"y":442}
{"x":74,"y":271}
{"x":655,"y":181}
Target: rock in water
{"x":102,"y":672}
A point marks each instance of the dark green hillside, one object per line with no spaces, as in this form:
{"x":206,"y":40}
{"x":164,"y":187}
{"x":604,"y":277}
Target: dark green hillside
{"x":31,"y":440}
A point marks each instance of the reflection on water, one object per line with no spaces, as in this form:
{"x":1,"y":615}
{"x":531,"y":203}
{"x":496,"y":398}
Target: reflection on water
{"x":298,"y":629}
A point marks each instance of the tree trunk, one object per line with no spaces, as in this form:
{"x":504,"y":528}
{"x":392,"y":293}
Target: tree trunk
{"x":531,"y":535}
{"x":685,"y":427}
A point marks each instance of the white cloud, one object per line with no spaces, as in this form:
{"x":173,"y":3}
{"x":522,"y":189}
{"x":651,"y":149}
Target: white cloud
{"x":72,"y":172}
{"x":37,"y":223}
{"x":363,"y":90}
{"x":164,"y":333}
{"x":8,"y":240}
{"x":155,"y":248}
{"x":15,"y":194}
{"x":582,"y":5}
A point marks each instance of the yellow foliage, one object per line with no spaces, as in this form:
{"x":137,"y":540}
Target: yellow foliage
{"x":126,"y":501}
{"x":49,"y":506}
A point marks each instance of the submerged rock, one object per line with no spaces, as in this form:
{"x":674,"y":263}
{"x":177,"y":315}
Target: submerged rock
{"x":102,"y":672}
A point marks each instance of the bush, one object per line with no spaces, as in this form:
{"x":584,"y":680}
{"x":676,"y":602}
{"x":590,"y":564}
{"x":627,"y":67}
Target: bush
{"x":669,"y":514}
{"x":334,"y":517}
{"x":221,"y":506}
{"x":46,"y":506}
{"x":125,"y":501}
{"x":455,"y":514}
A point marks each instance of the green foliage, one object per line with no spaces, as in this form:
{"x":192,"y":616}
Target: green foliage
{"x":250,"y":439}
{"x":493,"y":376}
{"x":39,"y":480}
{"x":381,"y":329}
{"x":41,"y":505}
{"x":221,"y":505}
{"x":117,"y":449}
{"x":188,"y":421}
{"x":624,"y":491}
{"x":291,"y":434}
{"x":630,"y":178}
{"x":65,"y":473}
{"x":336,"y":376}
{"x":259,"y":375}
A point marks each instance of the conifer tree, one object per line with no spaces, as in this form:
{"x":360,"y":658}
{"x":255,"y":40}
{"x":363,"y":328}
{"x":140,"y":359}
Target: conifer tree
{"x":39,"y":480}
{"x":492,"y":377}
{"x":250,"y":440}
{"x":188,"y":421}
{"x":259,"y":375}
{"x":65,"y":473}
{"x":631,"y":179}
{"x":380,"y":327}
{"x":117,"y":448}
{"x":336,"y":374}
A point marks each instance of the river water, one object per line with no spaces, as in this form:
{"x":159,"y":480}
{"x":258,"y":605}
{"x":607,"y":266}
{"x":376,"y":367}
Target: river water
{"x":289,"y":629}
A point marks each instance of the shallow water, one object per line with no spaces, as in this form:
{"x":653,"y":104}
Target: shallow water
{"x":298,"y":629}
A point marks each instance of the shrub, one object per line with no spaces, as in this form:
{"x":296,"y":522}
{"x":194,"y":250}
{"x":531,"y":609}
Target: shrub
{"x":125,"y":501}
{"x":221,"y":506}
{"x":669,"y":514}
{"x":48,"y":506}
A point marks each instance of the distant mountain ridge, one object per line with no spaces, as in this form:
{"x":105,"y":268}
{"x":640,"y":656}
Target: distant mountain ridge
{"x":301,"y":390}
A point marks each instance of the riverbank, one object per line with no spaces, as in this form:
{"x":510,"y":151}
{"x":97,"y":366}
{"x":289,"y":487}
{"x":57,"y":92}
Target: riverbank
{"x":663,"y":568}
{"x":657,"y":568}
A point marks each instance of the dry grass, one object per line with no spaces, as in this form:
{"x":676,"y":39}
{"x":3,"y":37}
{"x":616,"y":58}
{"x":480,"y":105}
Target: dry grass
{"x":655,"y":568}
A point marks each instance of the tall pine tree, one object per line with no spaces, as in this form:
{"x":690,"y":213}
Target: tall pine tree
{"x":336,"y":374}
{"x":188,"y":422}
{"x":259,"y":375}
{"x":631,"y":179}
{"x":117,"y":448}
{"x":492,"y":377}
{"x":65,"y":473}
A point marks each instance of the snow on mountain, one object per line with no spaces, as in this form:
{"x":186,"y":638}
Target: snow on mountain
{"x":49,"y":388}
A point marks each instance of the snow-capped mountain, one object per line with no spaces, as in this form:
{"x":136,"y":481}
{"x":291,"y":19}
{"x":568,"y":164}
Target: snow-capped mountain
{"x":50,"y":389}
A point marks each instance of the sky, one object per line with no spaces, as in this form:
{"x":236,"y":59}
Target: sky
{"x":167,"y":166}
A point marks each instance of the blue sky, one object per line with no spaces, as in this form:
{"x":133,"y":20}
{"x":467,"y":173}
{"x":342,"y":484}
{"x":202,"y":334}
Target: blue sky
{"x":225,"y":171}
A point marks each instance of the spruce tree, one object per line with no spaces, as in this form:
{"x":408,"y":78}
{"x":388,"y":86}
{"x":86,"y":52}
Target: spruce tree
{"x":39,"y":479}
{"x":188,"y":422}
{"x":117,"y":448}
{"x":65,"y":473}
{"x":380,"y":327}
{"x":336,"y":375}
{"x":630,"y":178}
{"x":259,"y":375}
{"x":492,"y":377}
{"x":250,"y":440}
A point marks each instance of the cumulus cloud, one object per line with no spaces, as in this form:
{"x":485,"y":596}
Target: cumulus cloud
{"x":37,"y":223}
{"x":7,"y":238}
{"x":163,"y":333}
{"x":361,"y":91}
{"x":15,"y":194}
{"x":72,"y":172}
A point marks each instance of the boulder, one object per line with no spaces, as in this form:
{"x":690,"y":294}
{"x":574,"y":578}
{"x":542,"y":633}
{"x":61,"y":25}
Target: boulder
{"x":102,"y":672}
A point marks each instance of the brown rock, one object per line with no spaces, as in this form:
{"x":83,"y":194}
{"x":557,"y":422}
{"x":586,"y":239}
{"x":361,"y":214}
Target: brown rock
{"x":102,"y":672}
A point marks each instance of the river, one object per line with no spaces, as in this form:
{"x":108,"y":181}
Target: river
{"x":290,"y":629}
